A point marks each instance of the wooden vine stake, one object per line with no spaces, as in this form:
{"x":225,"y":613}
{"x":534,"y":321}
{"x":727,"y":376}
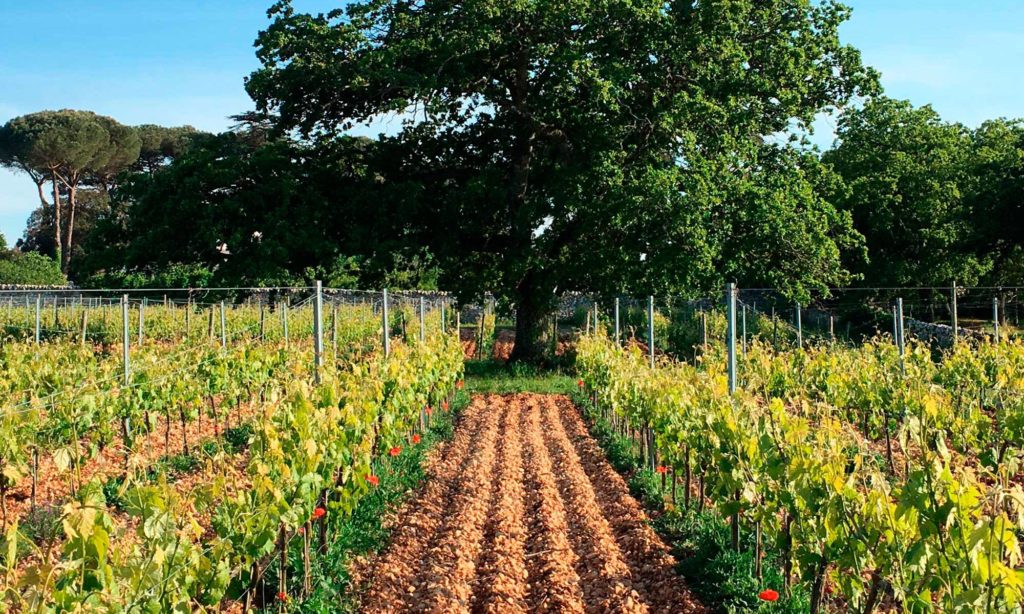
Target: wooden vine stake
{"x":322,"y":525}
{"x":282,"y":583}
{"x":306,"y":580}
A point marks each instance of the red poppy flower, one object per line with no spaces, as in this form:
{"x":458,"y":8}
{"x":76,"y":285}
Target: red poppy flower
{"x":373,"y":480}
{"x":580,"y":383}
{"x":769,"y":595}
{"x":428,"y":409}
{"x":282,"y":596}
{"x":662,"y":469}
{"x":302,"y":530}
{"x":444,"y":405}
{"x":415,"y":439}
{"x":319,"y":513}
{"x":395,"y":451}
{"x":459,"y":384}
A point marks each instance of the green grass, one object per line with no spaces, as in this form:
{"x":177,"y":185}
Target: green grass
{"x":490,"y":376}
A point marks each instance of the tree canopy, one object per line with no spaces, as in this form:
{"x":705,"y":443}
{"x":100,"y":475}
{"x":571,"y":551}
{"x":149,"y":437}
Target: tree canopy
{"x":78,"y":150}
{"x":590,"y":145}
{"x":936,"y":201}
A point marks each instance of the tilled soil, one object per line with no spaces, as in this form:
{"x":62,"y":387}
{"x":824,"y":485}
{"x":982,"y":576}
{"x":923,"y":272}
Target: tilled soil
{"x":53,"y":487}
{"x":503,"y":344}
{"x":467,"y":337}
{"x":522,"y":513}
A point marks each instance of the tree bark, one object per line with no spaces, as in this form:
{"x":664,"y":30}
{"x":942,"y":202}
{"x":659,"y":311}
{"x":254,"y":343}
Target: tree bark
{"x":531,"y":314}
{"x":58,"y":238}
{"x":66,"y":259}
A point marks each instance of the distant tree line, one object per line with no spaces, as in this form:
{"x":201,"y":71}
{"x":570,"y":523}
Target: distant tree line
{"x":75,"y":159}
{"x":935,"y":201}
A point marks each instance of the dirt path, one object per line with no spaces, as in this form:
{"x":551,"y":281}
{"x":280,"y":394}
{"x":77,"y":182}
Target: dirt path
{"x":523,"y":514}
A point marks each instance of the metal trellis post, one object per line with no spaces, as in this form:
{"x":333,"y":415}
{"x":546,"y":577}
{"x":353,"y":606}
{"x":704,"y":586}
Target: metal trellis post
{"x":799,"y":327}
{"x":39,"y":307}
{"x":386,"y":337}
{"x":318,"y":331}
{"x":995,"y":317}
{"x":730,"y":302}
{"x":956,"y":326}
{"x":650,"y":327}
{"x":423,"y":320}
{"x":124,"y":338}
{"x":617,"y":325}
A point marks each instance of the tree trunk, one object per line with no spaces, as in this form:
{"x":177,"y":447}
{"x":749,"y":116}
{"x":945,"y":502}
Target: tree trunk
{"x":58,"y":238}
{"x":530,"y":300}
{"x":66,"y":253}
{"x":531,"y":314}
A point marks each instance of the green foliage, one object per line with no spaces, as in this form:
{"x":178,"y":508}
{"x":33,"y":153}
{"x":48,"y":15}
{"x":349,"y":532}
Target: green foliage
{"x":996,"y":188}
{"x":29,"y":268}
{"x":904,"y":171}
{"x":936,"y":202}
{"x":159,"y":145}
{"x":172,"y":275}
{"x":241,"y":209}
{"x":79,"y":153}
{"x":548,"y":146}
{"x":365,"y":531}
{"x":700,"y":540}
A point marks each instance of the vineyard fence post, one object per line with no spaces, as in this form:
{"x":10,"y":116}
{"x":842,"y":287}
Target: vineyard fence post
{"x":956,"y":329}
{"x":730,"y":302}
{"x":142,"y":320}
{"x":554,"y":333}
{"x":704,"y":328}
{"x":618,"y":329}
{"x":901,"y":341}
{"x":39,"y":307}
{"x":386,"y":337}
{"x":334,"y":331}
{"x":799,"y":327}
{"x":284,"y":321}
{"x":650,"y":327}
{"x":318,"y":331}
{"x":124,"y":338}
{"x":223,"y":327}
{"x":443,"y":326}
{"x":423,"y":321}
{"x":995,"y":317}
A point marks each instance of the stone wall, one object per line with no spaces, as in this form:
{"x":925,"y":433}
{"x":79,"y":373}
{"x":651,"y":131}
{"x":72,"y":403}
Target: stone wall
{"x":940,"y":335}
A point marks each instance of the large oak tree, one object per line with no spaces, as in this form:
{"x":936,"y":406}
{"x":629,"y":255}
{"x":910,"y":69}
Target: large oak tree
{"x":597,"y":145}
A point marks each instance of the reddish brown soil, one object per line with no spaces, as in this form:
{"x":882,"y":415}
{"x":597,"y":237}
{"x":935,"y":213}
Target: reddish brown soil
{"x":523,"y":514}
{"x":467,"y":337}
{"x":53,"y":487}
{"x":503,"y":344}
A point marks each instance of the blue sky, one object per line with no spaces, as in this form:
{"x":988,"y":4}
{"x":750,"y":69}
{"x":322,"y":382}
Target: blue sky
{"x":183,"y":61}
